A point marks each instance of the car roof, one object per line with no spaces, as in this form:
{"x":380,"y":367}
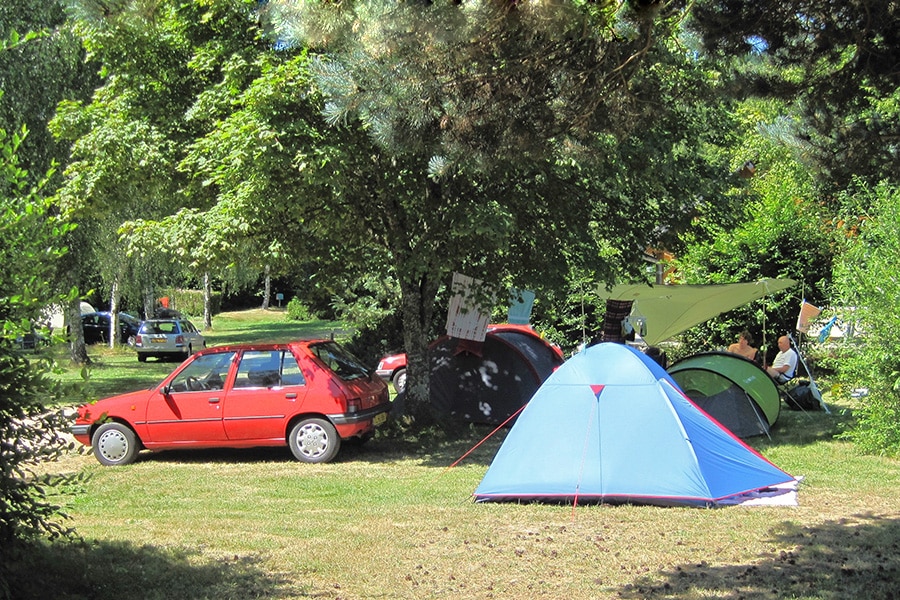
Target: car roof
{"x":171,"y":320}
{"x":263,"y":345}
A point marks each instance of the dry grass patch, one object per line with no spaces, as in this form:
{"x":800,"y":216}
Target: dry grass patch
{"x":389,"y":522}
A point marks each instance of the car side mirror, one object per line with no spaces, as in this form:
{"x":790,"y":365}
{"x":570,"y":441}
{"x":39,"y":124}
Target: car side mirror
{"x":166,"y":390}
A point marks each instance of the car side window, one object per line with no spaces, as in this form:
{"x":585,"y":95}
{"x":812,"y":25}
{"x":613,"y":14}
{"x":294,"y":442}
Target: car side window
{"x":290,"y":370}
{"x":204,"y":373}
{"x":268,"y":368}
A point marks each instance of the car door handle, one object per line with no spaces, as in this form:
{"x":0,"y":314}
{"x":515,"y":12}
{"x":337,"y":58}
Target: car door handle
{"x":213,"y":400}
{"x":291,"y":396}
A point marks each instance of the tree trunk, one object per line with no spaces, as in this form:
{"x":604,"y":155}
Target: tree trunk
{"x":149,"y":303}
{"x":207,"y":302}
{"x":114,"y":297}
{"x":77,"y":349}
{"x":267,"y":292}
{"x":417,"y":300}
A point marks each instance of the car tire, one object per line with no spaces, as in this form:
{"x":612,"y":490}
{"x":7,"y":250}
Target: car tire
{"x":314,"y":441}
{"x":115,"y":444}
{"x":399,"y":380}
{"x":142,"y":357}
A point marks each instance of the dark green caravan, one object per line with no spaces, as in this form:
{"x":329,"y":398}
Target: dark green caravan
{"x":734,"y":391}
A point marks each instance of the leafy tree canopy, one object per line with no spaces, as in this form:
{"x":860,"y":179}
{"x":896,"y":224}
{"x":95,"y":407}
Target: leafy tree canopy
{"x":836,"y":60}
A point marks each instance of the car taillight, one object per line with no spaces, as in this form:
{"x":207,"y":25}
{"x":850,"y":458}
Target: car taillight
{"x":179,"y":339}
{"x":353,"y":405}
{"x":137,"y":340}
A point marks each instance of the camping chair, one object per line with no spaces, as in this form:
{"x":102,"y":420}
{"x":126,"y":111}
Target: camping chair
{"x":800,"y":393}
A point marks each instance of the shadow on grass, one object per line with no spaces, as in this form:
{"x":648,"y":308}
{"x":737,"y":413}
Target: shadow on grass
{"x":285,"y":331}
{"x":112,"y":569}
{"x":799,"y":428}
{"x":855,"y":557}
{"x":430,"y":450}
{"x":130,"y":377}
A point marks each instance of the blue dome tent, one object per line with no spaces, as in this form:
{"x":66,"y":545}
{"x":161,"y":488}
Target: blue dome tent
{"x":610,"y":425}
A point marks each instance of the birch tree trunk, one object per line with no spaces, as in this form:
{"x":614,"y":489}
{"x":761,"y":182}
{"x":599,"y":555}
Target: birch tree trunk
{"x":149,"y":303}
{"x":267,"y":292}
{"x":207,"y":302}
{"x":114,"y":297}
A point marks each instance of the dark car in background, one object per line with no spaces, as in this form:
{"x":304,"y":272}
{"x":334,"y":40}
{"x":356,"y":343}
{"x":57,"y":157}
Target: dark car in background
{"x":96,"y":327}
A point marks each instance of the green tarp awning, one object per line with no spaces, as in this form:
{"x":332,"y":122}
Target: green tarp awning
{"x":670,"y":309}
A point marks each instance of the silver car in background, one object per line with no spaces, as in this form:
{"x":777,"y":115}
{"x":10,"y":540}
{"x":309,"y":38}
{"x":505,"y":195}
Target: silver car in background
{"x":168,"y":338}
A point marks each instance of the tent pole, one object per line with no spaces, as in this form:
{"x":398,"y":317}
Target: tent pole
{"x":756,"y":411}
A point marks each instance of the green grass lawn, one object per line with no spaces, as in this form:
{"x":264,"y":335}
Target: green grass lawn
{"x":390,"y":520}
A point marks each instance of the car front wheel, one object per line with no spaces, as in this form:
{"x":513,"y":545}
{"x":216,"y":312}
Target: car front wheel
{"x":314,"y":441}
{"x":115,"y":444}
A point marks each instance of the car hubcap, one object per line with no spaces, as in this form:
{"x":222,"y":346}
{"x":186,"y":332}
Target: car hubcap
{"x":113,"y":445}
{"x":312,"y":440}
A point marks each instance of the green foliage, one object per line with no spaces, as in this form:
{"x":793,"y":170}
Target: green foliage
{"x":785,"y":231}
{"x":297,"y":311}
{"x":30,"y":435}
{"x":834,"y":60}
{"x":512,"y":144}
{"x":374,"y":341}
{"x":866,"y":277}
{"x":43,"y":66}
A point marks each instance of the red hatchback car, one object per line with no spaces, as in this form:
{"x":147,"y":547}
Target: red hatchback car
{"x":308,"y":395}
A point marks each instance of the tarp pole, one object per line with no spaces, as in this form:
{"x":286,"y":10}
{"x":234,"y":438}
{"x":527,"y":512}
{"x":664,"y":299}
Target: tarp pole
{"x":812,"y":382}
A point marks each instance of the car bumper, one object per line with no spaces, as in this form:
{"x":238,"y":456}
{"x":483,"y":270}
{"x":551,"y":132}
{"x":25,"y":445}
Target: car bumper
{"x":360,"y":417}
{"x":82,"y":433}
{"x":384,"y":373}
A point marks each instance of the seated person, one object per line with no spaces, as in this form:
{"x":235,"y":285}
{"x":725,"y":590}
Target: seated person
{"x":782,"y":369}
{"x":744,"y":346}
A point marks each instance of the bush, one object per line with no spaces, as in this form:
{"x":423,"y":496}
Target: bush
{"x":30,"y":436}
{"x":297,"y":311}
{"x":370,"y":344}
{"x":190,"y":302}
{"x":867,"y":279}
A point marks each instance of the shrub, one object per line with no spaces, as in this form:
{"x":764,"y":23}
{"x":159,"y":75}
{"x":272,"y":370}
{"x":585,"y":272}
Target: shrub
{"x":190,"y":302}
{"x":30,"y":436}
{"x":297,"y":311}
{"x":867,"y":279}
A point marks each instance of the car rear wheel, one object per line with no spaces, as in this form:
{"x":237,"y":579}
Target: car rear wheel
{"x":399,"y":380}
{"x":142,"y":357}
{"x":314,"y":441}
{"x":115,"y":444}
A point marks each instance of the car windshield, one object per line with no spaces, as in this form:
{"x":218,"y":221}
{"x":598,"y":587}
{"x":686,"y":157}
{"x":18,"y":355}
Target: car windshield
{"x":207,"y":372}
{"x":345,"y":365}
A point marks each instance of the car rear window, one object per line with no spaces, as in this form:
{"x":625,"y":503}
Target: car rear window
{"x":161,"y":327}
{"x":345,"y":365}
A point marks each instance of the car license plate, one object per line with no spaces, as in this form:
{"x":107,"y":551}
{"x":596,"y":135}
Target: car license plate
{"x":379,"y":418}
{"x":158,"y":340}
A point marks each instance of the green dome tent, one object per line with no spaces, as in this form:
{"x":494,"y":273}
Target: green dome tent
{"x":734,"y":391}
